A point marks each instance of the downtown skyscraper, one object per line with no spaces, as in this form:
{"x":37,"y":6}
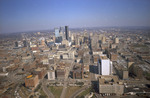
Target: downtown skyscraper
{"x":67,"y":32}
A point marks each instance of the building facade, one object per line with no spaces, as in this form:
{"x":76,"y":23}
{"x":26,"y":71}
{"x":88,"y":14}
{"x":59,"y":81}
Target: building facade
{"x":67,"y":32}
{"x":104,"y":66}
{"x":110,"y":85}
{"x":51,"y":75}
{"x":56,"y":32}
{"x":31,"y":81}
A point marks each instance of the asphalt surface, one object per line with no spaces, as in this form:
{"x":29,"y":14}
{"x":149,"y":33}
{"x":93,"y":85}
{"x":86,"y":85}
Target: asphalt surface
{"x":66,"y":83}
{"x":74,"y":95}
{"x":47,"y":91}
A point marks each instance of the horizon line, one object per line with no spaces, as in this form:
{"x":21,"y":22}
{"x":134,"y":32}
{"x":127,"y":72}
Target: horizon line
{"x":70,"y":28}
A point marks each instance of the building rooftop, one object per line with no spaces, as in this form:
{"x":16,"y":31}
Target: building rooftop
{"x":30,"y":76}
{"x":103,"y":57}
{"x":108,"y":79}
{"x":40,"y":69}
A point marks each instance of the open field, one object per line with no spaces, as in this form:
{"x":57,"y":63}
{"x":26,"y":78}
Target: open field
{"x":56,"y":90}
{"x":71,"y":90}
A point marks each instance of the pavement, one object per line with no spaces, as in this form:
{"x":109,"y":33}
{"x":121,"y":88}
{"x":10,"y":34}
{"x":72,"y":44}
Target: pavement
{"x":66,"y":83}
{"x":75,"y":94}
{"x":46,"y":90}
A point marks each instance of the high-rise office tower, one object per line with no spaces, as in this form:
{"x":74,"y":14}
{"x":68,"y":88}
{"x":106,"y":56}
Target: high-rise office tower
{"x":61,"y":32}
{"x":66,"y":32}
{"x":57,"y":32}
{"x":25,"y":43}
{"x":16,"y":44}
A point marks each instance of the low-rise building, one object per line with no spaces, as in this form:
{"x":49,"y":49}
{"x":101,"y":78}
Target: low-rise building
{"x":41,"y":72}
{"x":113,"y":56}
{"x":136,"y":71}
{"x":110,"y":85}
{"x":60,"y":73}
{"x":78,"y":73}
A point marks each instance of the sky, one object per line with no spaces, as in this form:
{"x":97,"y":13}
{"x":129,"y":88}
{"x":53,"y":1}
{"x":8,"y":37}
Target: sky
{"x":29,"y":15}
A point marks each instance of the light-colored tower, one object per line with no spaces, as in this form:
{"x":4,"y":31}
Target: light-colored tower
{"x":117,"y":40}
{"x":104,"y":66}
{"x":103,"y":39}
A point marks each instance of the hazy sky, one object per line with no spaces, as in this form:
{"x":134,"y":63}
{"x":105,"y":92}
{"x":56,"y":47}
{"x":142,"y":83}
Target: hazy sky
{"x":26,"y":15}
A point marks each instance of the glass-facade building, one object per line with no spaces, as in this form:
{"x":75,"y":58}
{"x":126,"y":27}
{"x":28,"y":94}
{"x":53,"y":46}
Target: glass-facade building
{"x":66,"y":32}
{"x":57,"y":32}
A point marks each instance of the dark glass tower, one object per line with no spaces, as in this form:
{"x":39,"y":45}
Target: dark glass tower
{"x":16,"y":44}
{"x":66,"y":32}
{"x":25,"y":43}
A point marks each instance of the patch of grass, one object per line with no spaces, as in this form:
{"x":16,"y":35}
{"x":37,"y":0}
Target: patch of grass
{"x":43,"y":95}
{"x":39,"y":89}
{"x":84,"y":93}
{"x":147,"y":75}
{"x":56,"y":90}
{"x":71,"y":90}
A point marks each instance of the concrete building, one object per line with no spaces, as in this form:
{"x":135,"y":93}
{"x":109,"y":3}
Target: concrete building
{"x":78,"y":73}
{"x":125,"y":74}
{"x":96,"y":57}
{"x":41,"y":72}
{"x":27,"y":58}
{"x":104,"y":46}
{"x":113,"y":56}
{"x":113,"y":46}
{"x":60,"y":73}
{"x":65,"y":56}
{"x":109,"y":85}
{"x":71,"y":54}
{"x":104,"y":66}
{"x":97,"y":52}
{"x":103,"y":39}
{"x":122,"y":73}
{"x":130,"y":62}
{"x":65,"y":42}
{"x":51,"y":75}
{"x":3,"y":74}
{"x":100,"y":37}
{"x":45,"y":61}
{"x":136,"y":71}
{"x":42,"y":43}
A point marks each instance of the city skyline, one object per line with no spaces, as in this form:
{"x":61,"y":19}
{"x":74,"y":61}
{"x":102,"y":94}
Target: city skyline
{"x":25,"y":15}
